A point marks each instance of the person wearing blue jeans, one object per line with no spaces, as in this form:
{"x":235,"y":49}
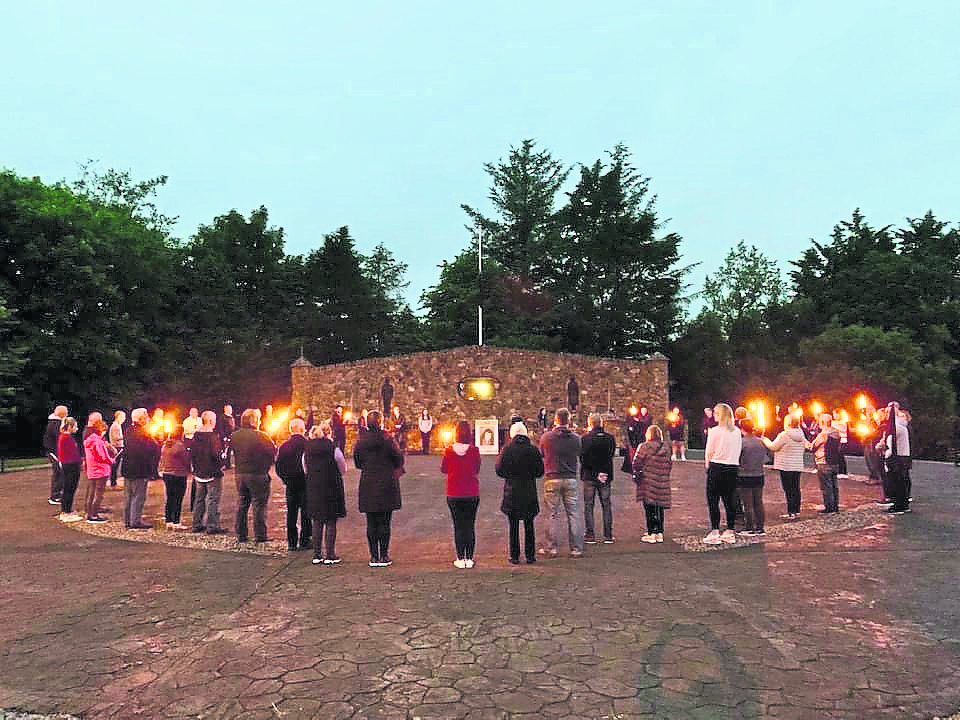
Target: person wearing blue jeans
{"x":561,"y":487}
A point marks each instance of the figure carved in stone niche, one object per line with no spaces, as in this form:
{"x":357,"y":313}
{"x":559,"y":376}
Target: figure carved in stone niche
{"x":386,"y":396}
{"x":573,"y":394}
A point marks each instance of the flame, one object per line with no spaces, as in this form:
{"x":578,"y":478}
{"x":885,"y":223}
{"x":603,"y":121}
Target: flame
{"x":758,"y":409}
{"x":633,"y":410}
{"x":278,"y":420}
{"x":816,"y":409}
{"x":347,"y":415}
{"x":862,"y":429}
{"x":446,"y":436}
{"x":862,"y":402}
{"x":844,"y":416}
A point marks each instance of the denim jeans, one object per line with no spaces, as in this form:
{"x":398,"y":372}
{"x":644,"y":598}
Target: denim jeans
{"x":827,"y":475}
{"x":135,"y":495}
{"x":297,"y":507}
{"x":562,"y":498}
{"x":207,"y":502}
{"x":253,"y":490}
{"x":591,"y":490}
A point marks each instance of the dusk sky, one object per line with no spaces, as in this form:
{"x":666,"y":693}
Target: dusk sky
{"x":767,"y":122}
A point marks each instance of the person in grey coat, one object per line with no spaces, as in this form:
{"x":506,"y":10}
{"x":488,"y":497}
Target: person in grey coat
{"x":753,"y":455}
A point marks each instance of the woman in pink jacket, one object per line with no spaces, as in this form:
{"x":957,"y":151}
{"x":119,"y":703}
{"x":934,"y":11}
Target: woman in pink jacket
{"x":99,"y":463}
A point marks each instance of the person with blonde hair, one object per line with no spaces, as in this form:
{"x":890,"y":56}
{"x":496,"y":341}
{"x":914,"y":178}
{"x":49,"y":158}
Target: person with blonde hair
{"x":70,"y":461}
{"x":787,"y":449}
{"x":652,"y":464}
{"x":324,"y":467}
{"x":722,"y":458}
{"x":99,"y":461}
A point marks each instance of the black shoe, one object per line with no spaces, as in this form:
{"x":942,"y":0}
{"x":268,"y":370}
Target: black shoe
{"x":260,"y":541}
{"x":386,"y":561}
{"x":513,"y":561}
{"x":531,"y":560}
{"x":199,"y":529}
{"x":216,"y":531}
{"x":306,"y":545}
{"x":331,"y":560}
{"x":141,"y":526}
{"x":292,"y":548}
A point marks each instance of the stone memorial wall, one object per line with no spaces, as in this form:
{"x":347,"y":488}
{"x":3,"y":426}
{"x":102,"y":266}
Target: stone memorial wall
{"x":528,"y":380}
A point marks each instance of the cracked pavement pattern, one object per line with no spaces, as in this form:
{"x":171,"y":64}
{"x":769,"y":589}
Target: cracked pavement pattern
{"x":855,"y":623}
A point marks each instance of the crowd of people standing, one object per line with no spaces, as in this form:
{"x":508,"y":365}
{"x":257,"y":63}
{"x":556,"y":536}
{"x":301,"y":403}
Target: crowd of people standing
{"x":576,"y":471}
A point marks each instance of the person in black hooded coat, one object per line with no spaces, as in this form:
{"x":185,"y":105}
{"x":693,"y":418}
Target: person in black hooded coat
{"x":324,"y":466}
{"x":520,"y":464}
{"x":381,"y":464}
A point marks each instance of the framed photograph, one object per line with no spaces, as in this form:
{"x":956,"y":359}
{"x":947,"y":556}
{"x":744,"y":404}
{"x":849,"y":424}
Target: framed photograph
{"x":487,"y":436}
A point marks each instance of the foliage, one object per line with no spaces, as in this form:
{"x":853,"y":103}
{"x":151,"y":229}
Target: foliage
{"x":11,"y":361}
{"x":747,"y":284}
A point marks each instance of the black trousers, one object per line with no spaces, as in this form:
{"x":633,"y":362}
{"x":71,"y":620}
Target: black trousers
{"x":654,"y":518}
{"x":899,"y":481}
{"x":842,"y":465}
{"x":464,"y":514}
{"x":425,"y":442}
{"x":378,"y":534}
{"x":176,"y":488}
{"x":115,"y":469}
{"x":252,"y":490}
{"x":790,"y":480}
{"x":529,"y":537}
{"x":297,"y":507}
{"x":325,"y":530}
{"x":71,"y":478}
{"x":722,"y":486}
{"x":56,"y":478}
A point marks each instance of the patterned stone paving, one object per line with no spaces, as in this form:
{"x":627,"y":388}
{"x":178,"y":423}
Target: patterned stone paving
{"x":853,"y":621}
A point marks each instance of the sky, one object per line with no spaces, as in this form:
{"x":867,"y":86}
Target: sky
{"x":767,"y":122}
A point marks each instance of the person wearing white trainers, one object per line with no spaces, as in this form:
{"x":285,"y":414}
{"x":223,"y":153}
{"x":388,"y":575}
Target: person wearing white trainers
{"x":722,"y":459}
{"x":787,"y":450}
{"x":70,"y":460}
{"x":651,"y":474}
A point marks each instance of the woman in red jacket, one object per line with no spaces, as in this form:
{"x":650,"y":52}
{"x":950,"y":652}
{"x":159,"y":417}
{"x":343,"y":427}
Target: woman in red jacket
{"x":461,"y":465}
{"x":68,"y":452}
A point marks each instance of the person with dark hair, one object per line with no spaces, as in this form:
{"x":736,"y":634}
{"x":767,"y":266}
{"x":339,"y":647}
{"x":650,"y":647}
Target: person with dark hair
{"x":325,"y":467}
{"x":597,"y":448}
{"x":206,"y":458}
{"x":753,"y":455}
{"x":708,"y":422}
{"x":254,"y":452}
{"x":561,"y":488}
{"x":174,"y":467}
{"x":70,"y":461}
{"x":399,"y":429}
{"x":291,"y":473}
{"x":520,"y":464}
{"x":461,"y":465}
{"x":141,"y":456}
{"x":677,"y":428}
{"x":573,"y":394}
{"x":651,"y":474}
{"x":339,"y":428}
{"x":99,"y":459}
{"x":380,"y":464}
{"x":542,"y":418}
{"x":226,"y":426}
{"x":51,"y":439}
{"x":425,"y":424}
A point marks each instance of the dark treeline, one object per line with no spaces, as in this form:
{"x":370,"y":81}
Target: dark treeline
{"x":102,"y":308}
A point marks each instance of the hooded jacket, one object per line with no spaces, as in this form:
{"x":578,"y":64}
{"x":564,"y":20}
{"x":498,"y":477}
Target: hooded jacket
{"x":461,"y":464}
{"x":520,"y":464}
{"x":324,"y":480}
{"x":97,"y":456}
{"x":379,"y":460}
{"x":787,"y":450}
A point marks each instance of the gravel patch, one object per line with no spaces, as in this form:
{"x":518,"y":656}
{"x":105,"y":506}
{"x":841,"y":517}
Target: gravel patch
{"x":20,"y":715}
{"x":858,"y":517}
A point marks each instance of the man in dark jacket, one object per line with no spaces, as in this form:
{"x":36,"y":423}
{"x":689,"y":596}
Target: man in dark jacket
{"x":290,"y":470}
{"x":226,"y":426}
{"x":596,"y":473}
{"x":561,"y":488}
{"x":141,"y":457}
{"x":254,"y":453}
{"x":207,"y":462}
{"x":51,"y":436}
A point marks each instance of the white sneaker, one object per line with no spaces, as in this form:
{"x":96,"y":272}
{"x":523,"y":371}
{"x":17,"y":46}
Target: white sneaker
{"x":843,"y":477}
{"x":649,"y":538}
{"x":683,"y":459}
{"x":461,"y":564}
{"x":729,"y":536}
{"x":659,"y":537}
{"x":468,"y":563}
{"x":712,"y":538}
{"x":70,"y":517}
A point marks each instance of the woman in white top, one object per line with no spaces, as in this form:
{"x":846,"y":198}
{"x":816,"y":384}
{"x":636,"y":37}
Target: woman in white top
{"x":426,"y":426}
{"x":788,"y":459}
{"x":722,"y":458}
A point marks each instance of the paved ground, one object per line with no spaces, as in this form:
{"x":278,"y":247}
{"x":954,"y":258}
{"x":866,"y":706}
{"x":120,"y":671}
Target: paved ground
{"x":848,"y":624}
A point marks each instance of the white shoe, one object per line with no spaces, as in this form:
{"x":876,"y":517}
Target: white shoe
{"x":712,"y":538}
{"x":461,"y":564}
{"x":649,"y":538}
{"x":69,"y":517}
{"x":659,"y":537}
{"x":729,"y":536}
{"x":843,"y":477}
{"x":683,"y":459}
{"x":673,"y":458}
{"x":171,"y":526}
{"x":468,"y":563}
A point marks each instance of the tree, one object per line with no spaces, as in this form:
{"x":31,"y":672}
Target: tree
{"x":524,"y":190}
{"x":747,"y":284}
{"x":11,"y":361}
{"x":619,"y":282}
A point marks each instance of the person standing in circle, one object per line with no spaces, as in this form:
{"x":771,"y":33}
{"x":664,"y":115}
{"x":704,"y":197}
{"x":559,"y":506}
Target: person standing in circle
{"x":787,"y":450}
{"x":722,"y":458}
{"x":325,"y":467}
{"x":461,"y":465}
{"x":520,"y":464}
{"x":380,"y":463}
{"x":425,"y":423}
